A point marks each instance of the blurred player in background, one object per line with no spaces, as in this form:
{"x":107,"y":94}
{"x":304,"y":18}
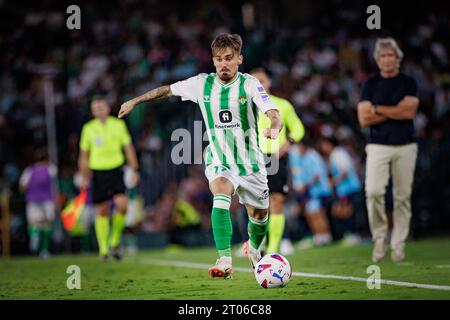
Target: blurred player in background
{"x":388,"y":105}
{"x":36,"y":182}
{"x":347,"y":185}
{"x":310,"y":183}
{"x":103,"y":143}
{"x":229,"y":102}
{"x":277,"y":150}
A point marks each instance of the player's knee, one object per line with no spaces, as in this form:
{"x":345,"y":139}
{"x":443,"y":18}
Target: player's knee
{"x":375,"y":192}
{"x":276,"y":207}
{"x":121,"y":203}
{"x":102,"y":209}
{"x":260,"y":214}
{"x":222,"y":185}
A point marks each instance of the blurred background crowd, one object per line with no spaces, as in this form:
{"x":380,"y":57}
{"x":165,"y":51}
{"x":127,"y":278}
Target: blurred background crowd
{"x":318,"y":56}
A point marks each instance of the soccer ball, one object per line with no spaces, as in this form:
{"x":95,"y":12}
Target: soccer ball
{"x":272,"y":271}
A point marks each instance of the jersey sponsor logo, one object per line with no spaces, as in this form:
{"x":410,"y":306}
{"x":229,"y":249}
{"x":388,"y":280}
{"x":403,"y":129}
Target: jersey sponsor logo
{"x":265,"y":97}
{"x":264,"y":195}
{"x":225,"y":116}
{"x":227,"y":126}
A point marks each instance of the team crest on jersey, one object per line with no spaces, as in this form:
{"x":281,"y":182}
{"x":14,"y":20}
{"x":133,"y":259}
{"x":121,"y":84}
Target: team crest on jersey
{"x":205,"y":98}
{"x":242,"y":100}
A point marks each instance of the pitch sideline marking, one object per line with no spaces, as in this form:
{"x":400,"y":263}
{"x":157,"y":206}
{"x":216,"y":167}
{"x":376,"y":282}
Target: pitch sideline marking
{"x":193,"y":265}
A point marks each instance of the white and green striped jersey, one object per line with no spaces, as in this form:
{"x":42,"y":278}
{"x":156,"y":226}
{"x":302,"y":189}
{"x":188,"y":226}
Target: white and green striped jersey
{"x":230,"y":115}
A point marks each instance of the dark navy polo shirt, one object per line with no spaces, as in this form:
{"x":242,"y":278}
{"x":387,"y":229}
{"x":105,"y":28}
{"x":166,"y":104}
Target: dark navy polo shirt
{"x":389,"y":92}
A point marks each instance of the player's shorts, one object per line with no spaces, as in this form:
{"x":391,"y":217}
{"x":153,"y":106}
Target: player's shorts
{"x":313,"y":205}
{"x":279,"y":182}
{"x":106,"y":184}
{"x":38,"y":212}
{"x":252,"y":189}
{"x":347,"y":199}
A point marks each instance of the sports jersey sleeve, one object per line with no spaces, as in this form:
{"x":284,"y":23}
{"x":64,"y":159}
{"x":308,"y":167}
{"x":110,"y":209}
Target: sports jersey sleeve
{"x":260,"y":97}
{"x":187,"y":89}
{"x":293,"y":123}
{"x":25,"y":177}
{"x":84,"y":139}
{"x":52,"y":170}
{"x":125,"y":136}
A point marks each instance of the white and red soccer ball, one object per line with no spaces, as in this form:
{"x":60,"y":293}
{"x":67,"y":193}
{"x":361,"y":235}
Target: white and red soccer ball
{"x":273,"y":270}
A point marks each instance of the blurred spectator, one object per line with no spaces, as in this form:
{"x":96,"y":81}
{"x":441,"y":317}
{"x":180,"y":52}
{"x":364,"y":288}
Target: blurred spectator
{"x":310,"y":184}
{"x":36,"y":182}
{"x":347,"y":186}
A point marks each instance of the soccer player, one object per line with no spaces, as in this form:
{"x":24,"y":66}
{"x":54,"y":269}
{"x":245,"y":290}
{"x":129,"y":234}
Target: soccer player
{"x":347,"y":184}
{"x":229,"y":102}
{"x":277,"y":150}
{"x":36,"y":181}
{"x":103,"y":143}
{"x":310,"y":180}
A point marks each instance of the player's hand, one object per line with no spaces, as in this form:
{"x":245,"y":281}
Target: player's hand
{"x":271,"y":133}
{"x":84,"y":182}
{"x":136,"y":177}
{"x":126,"y":108}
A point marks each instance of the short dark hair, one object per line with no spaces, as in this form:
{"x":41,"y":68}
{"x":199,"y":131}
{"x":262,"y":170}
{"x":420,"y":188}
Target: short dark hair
{"x":261,"y":70}
{"x":98,"y":97}
{"x":226,"y":40}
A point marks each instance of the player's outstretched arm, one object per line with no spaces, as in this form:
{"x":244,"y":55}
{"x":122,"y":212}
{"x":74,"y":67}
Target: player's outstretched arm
{"x":158,"y":93}
{"x":275,"y":124}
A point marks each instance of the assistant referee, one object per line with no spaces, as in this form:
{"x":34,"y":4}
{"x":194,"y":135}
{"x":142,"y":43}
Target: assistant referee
{"x":277,"y":150}
{"x":104,"y":144}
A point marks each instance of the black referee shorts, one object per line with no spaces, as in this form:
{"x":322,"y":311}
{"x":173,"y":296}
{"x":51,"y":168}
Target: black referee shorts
{"x":106,"y":184}
{"x":279,"y":182}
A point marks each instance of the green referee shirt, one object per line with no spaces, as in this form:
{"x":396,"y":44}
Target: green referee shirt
{"x":105,"y":142}
{"x":291,"y":122}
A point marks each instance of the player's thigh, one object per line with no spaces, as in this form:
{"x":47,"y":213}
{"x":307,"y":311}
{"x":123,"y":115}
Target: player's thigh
{"x":276,"y":202}
{"x":253,"y":191}
{"x":35,"y":214}
{"x":403,"y":167}
{"x":121,"y":202}
{"x":48,"y":209}
{"x":221,"y":180}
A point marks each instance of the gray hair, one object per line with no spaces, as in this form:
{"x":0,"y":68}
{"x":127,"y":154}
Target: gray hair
{"x":387,"y":43}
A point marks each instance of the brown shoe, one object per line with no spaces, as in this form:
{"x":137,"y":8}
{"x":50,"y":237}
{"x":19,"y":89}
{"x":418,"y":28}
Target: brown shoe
{"x":398,"y":255}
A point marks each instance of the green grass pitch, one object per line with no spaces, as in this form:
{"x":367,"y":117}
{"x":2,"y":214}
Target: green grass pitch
{"x":137,"y":277}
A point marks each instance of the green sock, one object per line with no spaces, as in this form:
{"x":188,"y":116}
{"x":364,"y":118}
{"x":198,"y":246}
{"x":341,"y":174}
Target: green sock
{"x":257,"y":230}
{"x":102,"y":232}
{"x":118,"y":224}
{"x":46,"y":236}
{"x":33,"y":232}
{"x":276,"y":229}
{"x":221,"y":224}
